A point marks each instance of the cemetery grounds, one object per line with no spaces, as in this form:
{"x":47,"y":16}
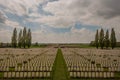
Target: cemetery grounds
{"x":59,"y":64}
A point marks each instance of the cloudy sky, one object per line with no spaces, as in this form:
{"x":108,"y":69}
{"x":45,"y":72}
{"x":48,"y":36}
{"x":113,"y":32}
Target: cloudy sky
{"x":59,"y":21}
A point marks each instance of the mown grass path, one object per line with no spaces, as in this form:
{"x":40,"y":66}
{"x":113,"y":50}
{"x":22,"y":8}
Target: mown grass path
{"x":60,"y":71}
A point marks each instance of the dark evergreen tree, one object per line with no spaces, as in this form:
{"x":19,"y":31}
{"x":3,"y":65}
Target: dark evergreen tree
{"x":14,"y":38}
{"x":101,"y":41}
{"x":24,"y":37}
{"x":107,"y":41}
{"x":97,"y":39}
{"x":29,"y":38}
{"x":113,"y":38}
{"x":20,"y":39}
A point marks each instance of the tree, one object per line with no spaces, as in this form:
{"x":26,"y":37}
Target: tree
{"x":107,"y":41}
{"x":36,"y":44}
{"x":1,"y":44}
{"x":29,"y":38}
{"x":14,"y":38}
{"x":20,"y":39}
{"x":113,"y":38}
{"x":24,"y":37}
{"x":101,"y":38}
{"x":97,"y":39}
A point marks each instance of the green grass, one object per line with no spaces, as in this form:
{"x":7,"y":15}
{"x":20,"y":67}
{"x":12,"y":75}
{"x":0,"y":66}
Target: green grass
{"x":28,"y":79}
{"x":1,"y":74}
{"x":98,"y":65}
{"x":85,"y":46}
{"x":11,"y":68}
{"x":60,"y":71}
{"x":19,"y":64}
{"x":78,"y":46}
{"x":116,"y":77}
{"x":38,"y":46}
{"x":117,"y":74}
{"x":105,"y":69}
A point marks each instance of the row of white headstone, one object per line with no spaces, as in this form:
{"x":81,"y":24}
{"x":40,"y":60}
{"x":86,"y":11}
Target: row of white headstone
{"x":90,"y":63}
{"x":27,"y":64}
{"x":77,"y":68}
{"x":92,"y":74}
{"x":28,"y":68}
{"x":26,"y":74}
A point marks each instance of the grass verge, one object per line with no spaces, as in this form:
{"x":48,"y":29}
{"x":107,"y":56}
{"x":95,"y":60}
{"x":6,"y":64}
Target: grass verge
{"x":1,"y":74}
{"x":59,"y":70}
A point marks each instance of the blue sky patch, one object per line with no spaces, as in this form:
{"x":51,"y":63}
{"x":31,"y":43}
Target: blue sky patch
{"x":89,"y":27}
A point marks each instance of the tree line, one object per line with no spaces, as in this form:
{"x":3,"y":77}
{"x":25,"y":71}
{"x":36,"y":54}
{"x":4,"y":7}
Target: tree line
{"x":23,"y":39}
{"x":104,"y":40}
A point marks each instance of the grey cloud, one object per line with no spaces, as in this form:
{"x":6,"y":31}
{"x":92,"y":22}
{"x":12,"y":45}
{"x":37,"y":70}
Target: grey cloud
{"x":2,"y":17}
{"x":79,"y":3}
{"x":101,"y":8}
{"x":109,"y":8}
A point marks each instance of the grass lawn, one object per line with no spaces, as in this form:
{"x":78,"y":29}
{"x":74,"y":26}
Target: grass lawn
{"x":117,"y":74}
{"x":60,"y":71}
{"x":1,"y":74}
{"x":11,"y":68}
{"x":85,"y":46}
